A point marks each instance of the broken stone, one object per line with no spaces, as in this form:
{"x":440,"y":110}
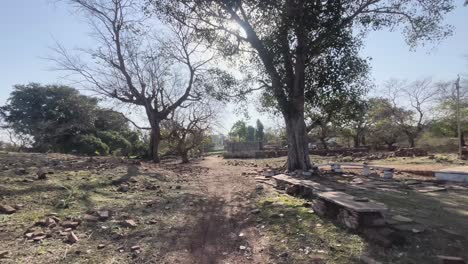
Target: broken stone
{"x":178,"y":187}
{"x":18,"y":206}
{"x":50,"y":221}
{"x":255,"y":211}
{"x":4,"y":254}
{"x":90,"y":218}
{"x":41,"y":175}
{"x":242,"y":247}
{"x":70,"y":224}
{"x":29,"y":235}
{"x":123,"y":188}
{"x":6,"y":209}
{"x":259,"y":187}
{"x":103,"y":215}
{"x":101,"y":246}
{"x":21,"y":171}
{"x":72,"y":238}
{"x":283,"y":255}
{"x":120,"y":249}
{"x":451,"y":260}
{"x":134,"y":248}
{"x":39,"y":238}
{"x":68,"y":229}
{"x":402,"y":219}
{"x":129,"y":223}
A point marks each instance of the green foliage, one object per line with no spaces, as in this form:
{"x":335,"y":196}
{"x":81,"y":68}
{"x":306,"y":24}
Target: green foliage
{"x":238,"y":131}
{"x":250,"y":134}
{"x":116,"y":142}
{"x":89,"y":145}
{"x":59,"y":118}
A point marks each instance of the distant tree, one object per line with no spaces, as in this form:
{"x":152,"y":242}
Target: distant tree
{"x":414,"y":118}
{"x":260,"y":133}
{"x":135,"y":64}
{"x":251,"y":134}
{"x":59,"y":118}
{"x":50,"y":114}
{"x":382,"y":126}
{"x":238,"y":131}
{"x":188,"y":128}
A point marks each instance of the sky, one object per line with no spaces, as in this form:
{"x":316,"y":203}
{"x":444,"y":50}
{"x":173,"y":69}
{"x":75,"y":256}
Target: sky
{"x":28,"y":28}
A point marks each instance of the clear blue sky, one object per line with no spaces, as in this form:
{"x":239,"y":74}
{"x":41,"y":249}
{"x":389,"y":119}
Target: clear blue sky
{"x":29,"y":27}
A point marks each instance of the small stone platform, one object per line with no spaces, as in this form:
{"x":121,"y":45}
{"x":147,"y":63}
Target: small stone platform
{"x":350,"y":202}
{"x":355,"y":213}
{"x":455,"y":174}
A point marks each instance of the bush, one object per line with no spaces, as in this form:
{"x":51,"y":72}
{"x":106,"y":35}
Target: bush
{"x":118,"y":145}
{"x":90,"y":145}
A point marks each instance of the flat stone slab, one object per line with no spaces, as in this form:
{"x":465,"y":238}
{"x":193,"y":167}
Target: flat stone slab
{"x":349,"y":202}
{"x":307,"y":183}
{"x":455,"y":174}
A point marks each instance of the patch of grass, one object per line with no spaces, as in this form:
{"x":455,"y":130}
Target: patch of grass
{"x":304,"y":235}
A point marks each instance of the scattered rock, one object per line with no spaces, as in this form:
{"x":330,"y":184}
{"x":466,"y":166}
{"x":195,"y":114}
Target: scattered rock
{"x":70,"y":224}
{"x":72,"y":238}
{"x":41,"y":175}
{"x":39,"y":238}
{"x":90,"y":218}
{"x":283,"y":255}
{"x":21,"y":171}
{"x":255,"y":211}
{"x":178,"y":187}
{"x":123,"y":188}
{"x":129,"y":223}
{"x":402,"y":219}
{"x":4,"y":254}
{"x":135,"y":248}
{"x":103,"y":215}
{"x":451,"y":260}
{"x":242,"y":247}
{"x":259,"y":187}
{"x":6,"y":209}
{"x":101,"y":246}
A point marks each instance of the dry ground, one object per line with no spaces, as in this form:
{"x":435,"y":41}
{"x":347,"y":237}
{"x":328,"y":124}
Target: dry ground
{"x":197,"y":213}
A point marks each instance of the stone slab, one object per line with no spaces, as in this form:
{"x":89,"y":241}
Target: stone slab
{"x":307,"y":183}
{"x":455,"y":174}
{"x":349,"y":202}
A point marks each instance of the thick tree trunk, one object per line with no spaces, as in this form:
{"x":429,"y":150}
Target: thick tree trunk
{"x":184,"y":156}
{"x":298,"y":150}
{"x":411,"y":141}
{"x":462,"y":138}
{"x":356,"y":141}
{"x":155,"y":139}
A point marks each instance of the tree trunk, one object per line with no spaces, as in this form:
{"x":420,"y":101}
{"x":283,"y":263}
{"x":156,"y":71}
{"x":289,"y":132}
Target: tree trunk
{"x":155,"y":139}
{"x":462,"y":138}
{"x":184,"y":156}
{"x":411,"y":141}
{"x":324,"y":143}
{"x":298,"y":151}
{"x":356,"y":141}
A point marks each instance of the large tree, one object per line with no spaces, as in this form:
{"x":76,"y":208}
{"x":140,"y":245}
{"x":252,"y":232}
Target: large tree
{"x":187,"y":128}
{"x":137,"y":62}
{"x":285,"y":36}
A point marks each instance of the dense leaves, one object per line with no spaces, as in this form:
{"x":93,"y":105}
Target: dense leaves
{"x":59,"y":118}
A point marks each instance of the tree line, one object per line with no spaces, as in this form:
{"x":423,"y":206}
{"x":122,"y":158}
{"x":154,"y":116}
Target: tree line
{"x":303,"y":56}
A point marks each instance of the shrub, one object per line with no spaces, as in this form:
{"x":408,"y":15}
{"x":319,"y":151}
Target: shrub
{"x":90,"y":145}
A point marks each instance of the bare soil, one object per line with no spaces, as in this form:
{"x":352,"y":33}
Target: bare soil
{"x":209,"y":211}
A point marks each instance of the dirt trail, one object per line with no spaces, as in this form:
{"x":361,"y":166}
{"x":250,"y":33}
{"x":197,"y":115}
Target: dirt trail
{"x":225,"y":216}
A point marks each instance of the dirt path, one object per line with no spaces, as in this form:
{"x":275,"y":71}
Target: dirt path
{"x":225,"y":217}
